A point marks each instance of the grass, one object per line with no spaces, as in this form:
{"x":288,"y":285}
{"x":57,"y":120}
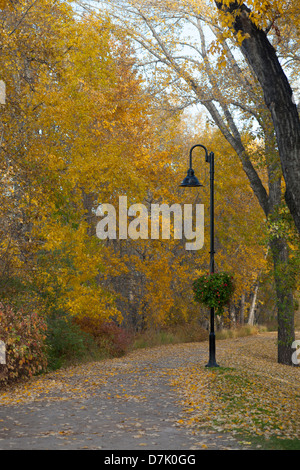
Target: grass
{"x":151,"y":339}
{"x":272,"y":443}
{"x":188,"y":333}
{"x":275,"y":443}
{"x":240,"y":332}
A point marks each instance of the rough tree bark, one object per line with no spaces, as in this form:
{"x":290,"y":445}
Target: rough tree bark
{"x":285,"y":301}
{"x":278,"y":96}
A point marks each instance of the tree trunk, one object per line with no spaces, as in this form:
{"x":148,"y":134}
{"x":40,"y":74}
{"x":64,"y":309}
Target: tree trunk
{"x":253,"y":305}
{"x":278,"y":96}
{"x":242,"y":309}
{"x":285,"y":301}
{"x":232,"y":315}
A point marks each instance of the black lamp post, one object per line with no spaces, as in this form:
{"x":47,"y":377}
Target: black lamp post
{"x":190,"y":181}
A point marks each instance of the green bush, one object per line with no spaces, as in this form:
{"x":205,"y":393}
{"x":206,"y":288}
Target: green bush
{"x":23,"y":334}
{"x":66,"y":342}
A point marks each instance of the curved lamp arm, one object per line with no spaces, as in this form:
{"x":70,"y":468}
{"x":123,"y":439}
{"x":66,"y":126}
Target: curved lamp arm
{"x":190,"y":180}
{"x":206,"y":153}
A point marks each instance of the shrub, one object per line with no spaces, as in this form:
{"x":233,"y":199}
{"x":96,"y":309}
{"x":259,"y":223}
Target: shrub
{"x":109,"y":336}
{"x":24,"y":337}
{"x":66,"y":342}
{"x":214,"y":290}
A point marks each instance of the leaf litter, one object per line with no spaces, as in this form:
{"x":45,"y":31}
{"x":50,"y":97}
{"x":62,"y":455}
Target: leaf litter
{"x":250,"y":393}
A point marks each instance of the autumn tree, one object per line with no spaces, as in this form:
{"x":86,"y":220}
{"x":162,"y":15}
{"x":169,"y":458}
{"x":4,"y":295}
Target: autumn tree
{"x":25,"y":55}
{"x":252,"y":27}
{"x":69,"y":133}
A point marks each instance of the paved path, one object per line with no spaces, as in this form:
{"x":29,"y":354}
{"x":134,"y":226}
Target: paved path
{"x":119,"y":404}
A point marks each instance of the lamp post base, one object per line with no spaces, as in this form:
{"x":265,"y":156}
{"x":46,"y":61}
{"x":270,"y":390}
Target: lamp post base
{"x":212,"y":351}
{"x":212,"y":364}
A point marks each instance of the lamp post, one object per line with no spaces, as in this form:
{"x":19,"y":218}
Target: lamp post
{"x":191,"y":181}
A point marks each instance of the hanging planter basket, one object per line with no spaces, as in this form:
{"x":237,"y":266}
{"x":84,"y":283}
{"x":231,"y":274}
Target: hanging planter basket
{"x":214,"y":290}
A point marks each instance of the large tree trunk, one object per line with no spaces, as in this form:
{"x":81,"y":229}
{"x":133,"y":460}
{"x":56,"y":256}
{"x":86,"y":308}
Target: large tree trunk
{"x":285,"y":301}
{"x":278,"y":96}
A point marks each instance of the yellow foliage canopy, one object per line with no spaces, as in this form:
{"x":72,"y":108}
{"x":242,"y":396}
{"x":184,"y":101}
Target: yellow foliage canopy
{"x":78,"y":130}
